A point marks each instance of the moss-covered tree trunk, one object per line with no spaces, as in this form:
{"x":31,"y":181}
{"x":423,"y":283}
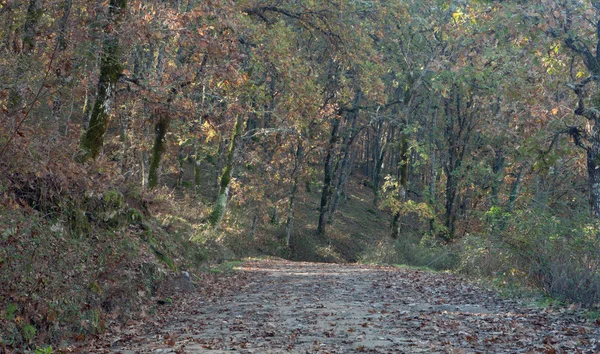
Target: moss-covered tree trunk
{"x":224,"y":184}
{"x":110,"y":71}
{"x":160,"y":132}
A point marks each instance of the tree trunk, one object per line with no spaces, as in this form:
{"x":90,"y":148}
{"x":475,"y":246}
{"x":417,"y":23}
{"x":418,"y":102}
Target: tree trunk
{"x":345,"y":164}
{"x":289,"y":226}
{"x":110,"y":71}
{"x":593,"y":164}
{"x":62,"y":35}
{"x":32,"y":19}
{"x":160,"y":132}
{"x":379,"y":155}
{"x":339,"y":190}
{"x":221,"y":202}
{"x":254,"y":226}
{"x":515,"y":190}
{"x":497,"y":175}
{"x":451,"y":185}
{"x":197,"y":166}
{"x":25,"y":47}
{"x":57,"y":101}
{"x":402,"y":182}
{"x":327,"y":177}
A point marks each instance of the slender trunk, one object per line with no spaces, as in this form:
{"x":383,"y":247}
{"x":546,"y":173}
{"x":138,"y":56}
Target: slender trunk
{"x":24,"y":49}
{"x":62,"y":34}
{"x":197,"y":166}
{"x":402,"y":182}
{"x":345,"y":163}
{"x":432,"y":168}
{"x":32,"y":19}
{"x":450,"y":202}
{"x":497,"y":175}
{"x":379,"y":155}
{"x":339,"y":190}
{"x":221,"y":202}
{"x":378,"y":174}
{"x":289,"y":226}
{"x":254,"y":226}
{"x":220,"y":162}
{"x":125,"y":145}
{"x":160,"y":132}
{"x":593,"y":164}
{"x":110,"y":71}
{"x":181,"y":160}
{"x":327,"y":177}
{"x":515,"y":190}
{"x":57,"y":101}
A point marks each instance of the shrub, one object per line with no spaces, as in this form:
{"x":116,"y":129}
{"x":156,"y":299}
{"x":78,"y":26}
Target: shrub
{"x":558,"y":255}
{"x":413,"y":250}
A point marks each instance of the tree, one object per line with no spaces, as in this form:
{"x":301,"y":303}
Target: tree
{"x":111,"y":69}
{"x":588,"y":138}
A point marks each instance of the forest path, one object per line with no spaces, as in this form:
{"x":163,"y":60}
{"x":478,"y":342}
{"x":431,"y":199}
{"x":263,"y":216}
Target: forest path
{"x":275,"y":306}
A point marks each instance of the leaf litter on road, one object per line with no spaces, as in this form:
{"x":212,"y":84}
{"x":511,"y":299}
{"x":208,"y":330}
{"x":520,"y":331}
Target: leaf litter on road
{"x":276,"y":306}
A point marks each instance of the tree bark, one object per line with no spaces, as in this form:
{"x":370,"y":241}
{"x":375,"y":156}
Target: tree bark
{"x":32,"y":19}
{"x":593,"y":165}
{"x":26,"y":44}
{"x":160,"y":132}
{"x":110,"y":71}
{"x":197,"y":166}
{"x":345,"y":163}
{"x":223,"y":194}
{"x":590,"y":140}
{"x":289,"y":226}
{"x":327,"y":176}
{"x":402,"y":182}
{"x":497,"y":175}
{"x":379,"y":155}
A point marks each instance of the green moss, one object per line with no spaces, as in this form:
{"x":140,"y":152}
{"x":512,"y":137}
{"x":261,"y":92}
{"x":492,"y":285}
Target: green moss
{"x":113,"y":199}
{"x":44,"y":350}
{"x":226,"y":267}
{"x":219,"y":210}
{"x":78,"y":222}
{"x":10,"y":311}
{"x":28,"y":332}
{"x":134,"y":215}
{"x":161,"y":129}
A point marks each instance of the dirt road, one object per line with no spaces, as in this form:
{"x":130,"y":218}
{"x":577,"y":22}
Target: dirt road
{"x":285,"y":307}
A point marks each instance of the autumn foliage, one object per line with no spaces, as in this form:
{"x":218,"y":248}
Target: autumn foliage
{"x":465,"y":131}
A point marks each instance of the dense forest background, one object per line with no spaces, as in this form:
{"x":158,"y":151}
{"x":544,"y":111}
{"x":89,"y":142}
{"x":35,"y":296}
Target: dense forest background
{"x":139,"y":136}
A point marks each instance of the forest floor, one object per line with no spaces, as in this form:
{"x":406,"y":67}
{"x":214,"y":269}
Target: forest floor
{"x":276,"y":306}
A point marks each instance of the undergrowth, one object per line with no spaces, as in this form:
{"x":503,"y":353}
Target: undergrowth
{"x":537,"y":249}
{"x":77,"y":252}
